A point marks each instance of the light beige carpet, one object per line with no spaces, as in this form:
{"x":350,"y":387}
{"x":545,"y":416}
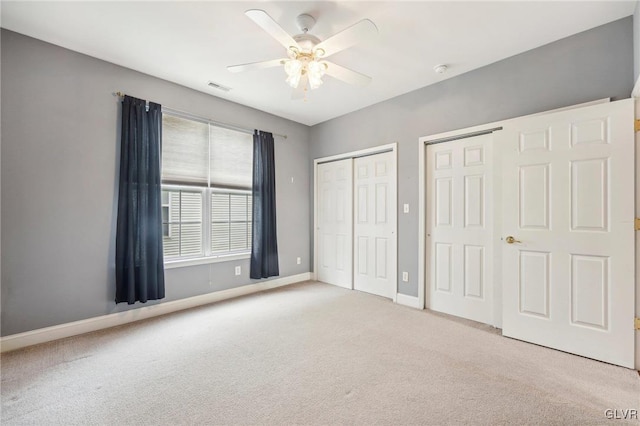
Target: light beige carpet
{"x":307,"y":354}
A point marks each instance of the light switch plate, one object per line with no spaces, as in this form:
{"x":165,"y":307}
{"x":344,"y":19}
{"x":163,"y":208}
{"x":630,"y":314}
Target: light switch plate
{"x":406,"y":208}
{"x":405,"y":277}
{"x":238,"y":270}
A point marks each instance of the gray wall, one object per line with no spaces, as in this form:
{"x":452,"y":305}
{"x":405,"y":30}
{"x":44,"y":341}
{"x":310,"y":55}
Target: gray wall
{"x":60,"y":144}
{"x":594,"y":64}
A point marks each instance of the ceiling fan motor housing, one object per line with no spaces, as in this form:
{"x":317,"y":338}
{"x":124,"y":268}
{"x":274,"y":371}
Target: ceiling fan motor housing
{"x":306,"y":42}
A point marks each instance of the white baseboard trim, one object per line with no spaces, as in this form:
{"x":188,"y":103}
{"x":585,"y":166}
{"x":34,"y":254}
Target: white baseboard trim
{"x":410,"y":301}
{"x":48,"y":334}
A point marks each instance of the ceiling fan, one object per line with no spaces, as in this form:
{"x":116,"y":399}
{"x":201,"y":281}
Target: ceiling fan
{"x":305,"y":64}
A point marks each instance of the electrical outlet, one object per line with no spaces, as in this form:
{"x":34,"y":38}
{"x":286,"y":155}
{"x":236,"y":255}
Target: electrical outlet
{"x":405,"y":277}
{"x":238,"y":270}
{"x":298,"y":260}
{"x":406,"y":208}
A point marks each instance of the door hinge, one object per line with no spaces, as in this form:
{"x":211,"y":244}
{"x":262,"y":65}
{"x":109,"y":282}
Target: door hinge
{"x":636,"y":224}
{"x":636,"y":124}
{"x":636,"y":323}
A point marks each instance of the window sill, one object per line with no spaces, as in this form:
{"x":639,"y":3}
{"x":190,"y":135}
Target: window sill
{"x":180,"y":263}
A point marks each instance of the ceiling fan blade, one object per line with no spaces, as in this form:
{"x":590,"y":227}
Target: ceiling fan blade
{"x":267,"y":23}
{"x":346,"y":75}
{"x":256,"y":65}
{"x":358,"y":32}
{"x":300,"y":92}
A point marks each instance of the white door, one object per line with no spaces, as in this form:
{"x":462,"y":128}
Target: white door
{"x":335,"y":229}
{"x":568,"y":204}
{"x":459,"y":228}
{"x":375,"y":224}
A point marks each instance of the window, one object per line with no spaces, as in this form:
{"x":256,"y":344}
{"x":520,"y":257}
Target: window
{"x":206,"y":189}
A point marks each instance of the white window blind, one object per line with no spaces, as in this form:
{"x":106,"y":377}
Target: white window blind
{"x":197,"y":153}
{"x":231,"y":162}
{"x":230,"y":222}
{"x":184,"y":224}
{"x":185,"y":151}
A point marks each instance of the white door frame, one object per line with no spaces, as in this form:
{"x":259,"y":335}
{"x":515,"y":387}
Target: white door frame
{"x":422,"y":208}
{"x":392,"y":147}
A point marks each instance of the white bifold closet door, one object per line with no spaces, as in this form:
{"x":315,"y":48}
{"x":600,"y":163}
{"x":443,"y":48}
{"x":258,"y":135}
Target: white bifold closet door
{"x":375,"y":210}
{"x":568,"y":206}
{"x":335,"y":224}
{"x":459,"y":193}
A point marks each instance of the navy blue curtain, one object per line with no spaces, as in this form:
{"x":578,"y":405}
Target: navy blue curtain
{"x":139,"y":264}
{"x":264,"y":247}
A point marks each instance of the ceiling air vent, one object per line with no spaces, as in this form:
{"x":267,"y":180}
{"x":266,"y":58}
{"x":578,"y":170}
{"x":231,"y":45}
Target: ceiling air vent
{"x":218,"y":86}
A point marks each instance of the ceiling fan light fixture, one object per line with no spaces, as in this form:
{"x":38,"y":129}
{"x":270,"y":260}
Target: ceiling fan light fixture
{"x":294,"y":80}
{"x":294,"y":70}
{"x":316,"y":71}
{"x":314,"y":81}
{"x":292,"y":52}
{"x":293,"y":67}
{"x":317,"y":68}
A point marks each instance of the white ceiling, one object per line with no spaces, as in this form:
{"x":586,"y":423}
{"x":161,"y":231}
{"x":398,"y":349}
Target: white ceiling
{"x":191,"y":43}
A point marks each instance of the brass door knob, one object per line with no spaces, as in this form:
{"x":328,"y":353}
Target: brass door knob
{"x":511,"y":240}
